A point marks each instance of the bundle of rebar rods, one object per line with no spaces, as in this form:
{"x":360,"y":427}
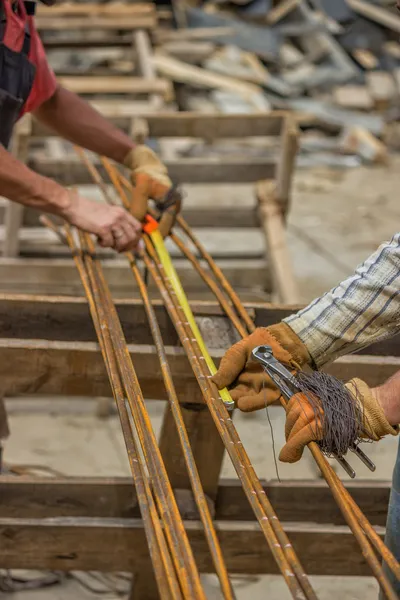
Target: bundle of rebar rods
{"x":173,"y":562}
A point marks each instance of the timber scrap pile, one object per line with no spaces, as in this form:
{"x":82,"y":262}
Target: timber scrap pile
{"x":172,"y":557}
{"x":335,"y":64}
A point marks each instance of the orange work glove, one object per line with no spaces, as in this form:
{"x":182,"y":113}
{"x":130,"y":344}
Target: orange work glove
{"x":149,"y":177}
{"x":304,"y":426}
{"x":251,"y":387}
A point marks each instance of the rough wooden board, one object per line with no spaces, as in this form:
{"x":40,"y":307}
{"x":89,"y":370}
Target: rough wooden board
{"x":365,"y":58}
{"x":294,"y":500}
{"x":93,"y":9}
{"x":191,"y":52}
{"x":60,"y":276}
{"x":162,"y":36}
{"x":382,"y":88}
{"x":271,"y":216}
{"x":84,"y":544}
{"x":115,"y":85}
{"x":145,"y":21}
{"x":353,"y":96}
{"x":66,"y":318}
{"x":281,"y":10}
{"x":179,"y":71}
{"x":375,"y":13}
{"x":181,"y":170}
{"x":77,"y":369}
{"x":195,"y":124}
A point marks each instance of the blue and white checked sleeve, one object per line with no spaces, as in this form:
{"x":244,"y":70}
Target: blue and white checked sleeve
{"x":363,"y":309}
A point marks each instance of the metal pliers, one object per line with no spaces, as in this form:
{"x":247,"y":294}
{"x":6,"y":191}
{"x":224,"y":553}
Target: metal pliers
{"x":288,"y":386}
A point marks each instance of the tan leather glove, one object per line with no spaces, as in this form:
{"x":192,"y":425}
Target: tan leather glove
{"x":251,"y":387}
{"x":149,"y":177}
{"x":303,"y":426}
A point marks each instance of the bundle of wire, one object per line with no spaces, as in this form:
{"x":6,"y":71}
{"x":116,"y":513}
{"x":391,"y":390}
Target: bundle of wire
{"x":339,"y":417}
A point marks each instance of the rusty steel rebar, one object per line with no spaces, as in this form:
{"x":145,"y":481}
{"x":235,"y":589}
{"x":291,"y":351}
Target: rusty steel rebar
{"x":93,"y":281}
{"x":162,"y":563}
{"x":199,"y":496}
{"x":274,"y":533}
{"x":198,"y":492}
{"x":276,"y":538}
{"x":176,"y":534}
{"x":274,"y":530}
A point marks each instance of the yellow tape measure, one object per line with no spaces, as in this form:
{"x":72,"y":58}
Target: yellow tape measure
{"x":170,"y":271}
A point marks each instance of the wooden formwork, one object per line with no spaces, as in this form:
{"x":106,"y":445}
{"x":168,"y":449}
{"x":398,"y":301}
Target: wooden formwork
{"x":48,"y":346}
{"x":231,"y":228}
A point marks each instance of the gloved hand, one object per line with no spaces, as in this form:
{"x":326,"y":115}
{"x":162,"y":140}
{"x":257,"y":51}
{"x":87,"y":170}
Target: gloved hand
{"x":252,"y":389}
{"x":149,"y":177}
{"x":303,"y":426}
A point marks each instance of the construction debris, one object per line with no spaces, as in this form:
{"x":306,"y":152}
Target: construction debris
{"x":334,"y":64}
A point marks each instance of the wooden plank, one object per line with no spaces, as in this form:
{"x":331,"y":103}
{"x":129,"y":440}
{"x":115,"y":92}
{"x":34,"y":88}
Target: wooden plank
{"x":115,"y":85}
{"x":281,"y":10}
{"x":84,"y":544}
{"x":66,"y":318}
{"x":382,"y":88}
{"x":198,"y":125}
{"x":286,"y":162}
{"x":95,"y":9}
{"x":237,"y":217}
{"x":375,"y":13}
{"x":146,"y":69}
{"x":353,"y":96}
{"x":77,"y":369}
{"x":181,"y":170}
{"x":140,"y":21}
{"x":305,"y":501}
{"x":59,"y":276}
{"x":283,"y":278}
{"x":199,"y":77}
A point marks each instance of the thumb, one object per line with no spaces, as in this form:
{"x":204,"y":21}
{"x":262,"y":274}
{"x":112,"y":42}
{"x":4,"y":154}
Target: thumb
{"x":293,"y":450}
{"x":232,"y":364}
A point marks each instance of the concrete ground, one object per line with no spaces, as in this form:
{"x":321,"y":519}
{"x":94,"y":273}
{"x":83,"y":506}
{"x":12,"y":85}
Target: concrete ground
{"x":337,"y":219}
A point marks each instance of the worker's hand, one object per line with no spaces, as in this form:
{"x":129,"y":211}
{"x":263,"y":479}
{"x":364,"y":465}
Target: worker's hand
{"x":149,"y":178}
{"x":251,"y":388}
{"x":305,"y":425}
{"x":113,"y":225}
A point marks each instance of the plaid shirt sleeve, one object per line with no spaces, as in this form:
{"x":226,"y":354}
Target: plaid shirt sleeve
{"x":362,"y":310}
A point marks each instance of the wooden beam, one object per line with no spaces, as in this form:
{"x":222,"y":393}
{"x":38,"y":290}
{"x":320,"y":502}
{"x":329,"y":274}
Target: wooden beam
{"x":84,"y":544}
{"x":200,"y":216}
{"x":181,"y":170}
{"x":286,"y":162}
{"x":66,"y":318}
{"x":95,"y":9}
{"x":181,"y":72}
{"x":59,"y":276}
{"x":376,"y":13}
{"x":115,"y":85}
{"x":198,"y":125}
{"x":76,"y":369}
{"x":140,"y":21}
{"x":284,"y":282}
{"x":305,"y":501}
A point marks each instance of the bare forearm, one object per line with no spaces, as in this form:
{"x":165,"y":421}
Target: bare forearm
{"x":75,"y":120}
{"x":20,"y":184}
